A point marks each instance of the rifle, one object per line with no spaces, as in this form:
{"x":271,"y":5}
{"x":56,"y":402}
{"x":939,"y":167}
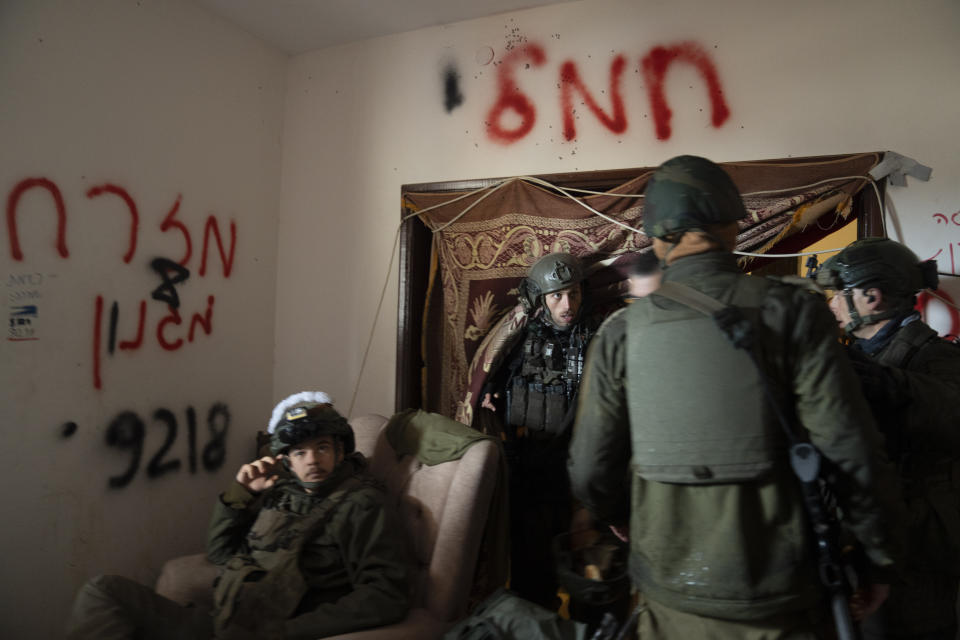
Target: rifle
{"x":805,"y":459}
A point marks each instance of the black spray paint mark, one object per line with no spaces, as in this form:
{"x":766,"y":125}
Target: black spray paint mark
{"x":127,"y":432}
{"x":68,"y":429}
{"x":112,"y":339}
{"x":167,"y":291}
{"x":452,"y":97}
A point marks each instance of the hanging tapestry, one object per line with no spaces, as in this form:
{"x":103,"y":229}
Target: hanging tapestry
{"x":484,"y":242}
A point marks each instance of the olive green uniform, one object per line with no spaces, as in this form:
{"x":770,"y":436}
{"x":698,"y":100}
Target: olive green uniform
{"x":345,"y":571}
{"x":352,"y":565}
{"x":539,"y":382}
{"x":699,"y":465}
{"x":918,"y":410}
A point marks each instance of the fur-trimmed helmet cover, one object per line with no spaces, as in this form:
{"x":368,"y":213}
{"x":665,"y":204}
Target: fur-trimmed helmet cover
{"x":307,"y":415}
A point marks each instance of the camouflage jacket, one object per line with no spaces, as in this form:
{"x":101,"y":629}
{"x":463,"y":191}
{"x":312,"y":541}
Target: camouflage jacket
{"x":345,"y":570}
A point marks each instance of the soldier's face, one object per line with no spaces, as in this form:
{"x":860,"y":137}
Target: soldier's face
{"x":315,"y":459}
{"x":862,"y":302}
{"x":563,"y":305}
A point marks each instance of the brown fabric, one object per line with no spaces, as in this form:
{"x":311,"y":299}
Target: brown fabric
{"x":480,"y":257}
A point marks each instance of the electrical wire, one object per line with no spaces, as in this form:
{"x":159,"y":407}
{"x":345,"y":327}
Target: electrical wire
{"x":567,"y":192}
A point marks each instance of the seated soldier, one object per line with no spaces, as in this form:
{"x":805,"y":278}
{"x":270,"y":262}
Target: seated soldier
{"x":310,"y":556}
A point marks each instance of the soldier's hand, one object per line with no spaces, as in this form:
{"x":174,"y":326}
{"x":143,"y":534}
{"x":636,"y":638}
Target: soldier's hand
{"x":867,"y":600}
{"x":261,"y":474}
{"x":487,"y":402}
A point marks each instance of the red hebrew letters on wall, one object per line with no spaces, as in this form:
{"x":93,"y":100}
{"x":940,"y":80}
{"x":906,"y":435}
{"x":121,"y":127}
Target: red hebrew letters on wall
{"x":570,"y":80}
{"x":170,"y":221}
{"x":925,"y":299}
{"x":948,"y":262}
{"x":131,"y":205}
{"x":656,"y":64}
{"x":13,"y":199}
{"x":512,"y":99}
{"x":172,"y":332}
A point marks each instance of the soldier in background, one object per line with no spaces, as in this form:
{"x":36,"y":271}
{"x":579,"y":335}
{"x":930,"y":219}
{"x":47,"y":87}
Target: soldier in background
{"x":911,"y":378}
{"x":534,"y":392}
{"x":720,"y":545}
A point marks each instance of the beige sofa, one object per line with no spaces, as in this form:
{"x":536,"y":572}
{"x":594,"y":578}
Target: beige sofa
{"x":443,"y":508}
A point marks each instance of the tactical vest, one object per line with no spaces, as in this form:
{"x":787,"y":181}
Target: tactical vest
{"x":905,"y":344}
{"x":259,"y":589}
{"x":542,"y":390}
{"x":697,"y":399}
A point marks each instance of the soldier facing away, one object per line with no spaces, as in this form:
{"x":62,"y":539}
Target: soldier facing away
{"x":676,"y":447}
{"x":911,"y":377}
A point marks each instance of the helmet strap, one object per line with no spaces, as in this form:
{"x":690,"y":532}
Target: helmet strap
{"x":857,"y":321}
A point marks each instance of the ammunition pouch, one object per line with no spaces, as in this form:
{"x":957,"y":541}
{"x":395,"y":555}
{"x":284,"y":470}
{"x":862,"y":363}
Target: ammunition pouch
{"x":537,"y":406}
{"x":517,"y":402}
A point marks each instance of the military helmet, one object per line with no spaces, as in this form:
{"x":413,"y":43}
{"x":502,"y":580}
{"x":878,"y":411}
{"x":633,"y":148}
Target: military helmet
{"x":306,"y":420}
{"x":552,"y":272}
{"x":881,"y":263}
{"x":688,"y":192}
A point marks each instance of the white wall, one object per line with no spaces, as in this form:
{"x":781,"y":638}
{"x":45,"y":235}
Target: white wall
{"x":160,"y":99}
{"x":799,"y":79}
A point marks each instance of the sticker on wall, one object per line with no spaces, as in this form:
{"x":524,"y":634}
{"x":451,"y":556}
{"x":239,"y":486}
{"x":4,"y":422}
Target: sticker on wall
{"x":23,"y":303}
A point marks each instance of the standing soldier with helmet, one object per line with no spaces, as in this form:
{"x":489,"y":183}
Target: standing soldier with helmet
{"x":534,"y":391}
{"x":720,"y":541}
{"x":911,"y":378}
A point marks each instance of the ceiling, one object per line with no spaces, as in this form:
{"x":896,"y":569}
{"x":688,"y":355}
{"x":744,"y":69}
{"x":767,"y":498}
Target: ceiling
{"x":305,"y":25}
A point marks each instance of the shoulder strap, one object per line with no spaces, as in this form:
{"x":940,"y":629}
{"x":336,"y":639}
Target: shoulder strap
{"x":321,"y":513}
{"x":686,"y":295}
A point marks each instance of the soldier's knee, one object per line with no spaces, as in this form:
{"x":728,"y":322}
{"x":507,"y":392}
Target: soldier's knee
{"x":106,"y":584}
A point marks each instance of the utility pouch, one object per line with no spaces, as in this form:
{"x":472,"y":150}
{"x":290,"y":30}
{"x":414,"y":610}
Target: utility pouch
{"x":535,"y":406}
{"x":555,"y":409}
{"x":517,"y":402}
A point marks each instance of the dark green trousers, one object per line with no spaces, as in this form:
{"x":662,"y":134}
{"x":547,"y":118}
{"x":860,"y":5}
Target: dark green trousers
{"x":117,"y":608}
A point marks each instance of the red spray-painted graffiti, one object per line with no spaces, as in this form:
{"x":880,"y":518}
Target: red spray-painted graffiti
{"x":170,"y":221}
{"x":171,"y":273}
{"x":512,"y":99}
{"x":14,"y":199}
{"x":655,"y":64}
{"x":943,"y":219}
{"x":924,"y":301}
{"x":131,"y":205}
{"x":570,"y":80}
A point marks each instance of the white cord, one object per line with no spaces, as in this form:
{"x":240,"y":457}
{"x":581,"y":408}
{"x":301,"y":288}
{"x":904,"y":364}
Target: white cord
{"x":786,"y":255}
{"x":566,"y":192}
